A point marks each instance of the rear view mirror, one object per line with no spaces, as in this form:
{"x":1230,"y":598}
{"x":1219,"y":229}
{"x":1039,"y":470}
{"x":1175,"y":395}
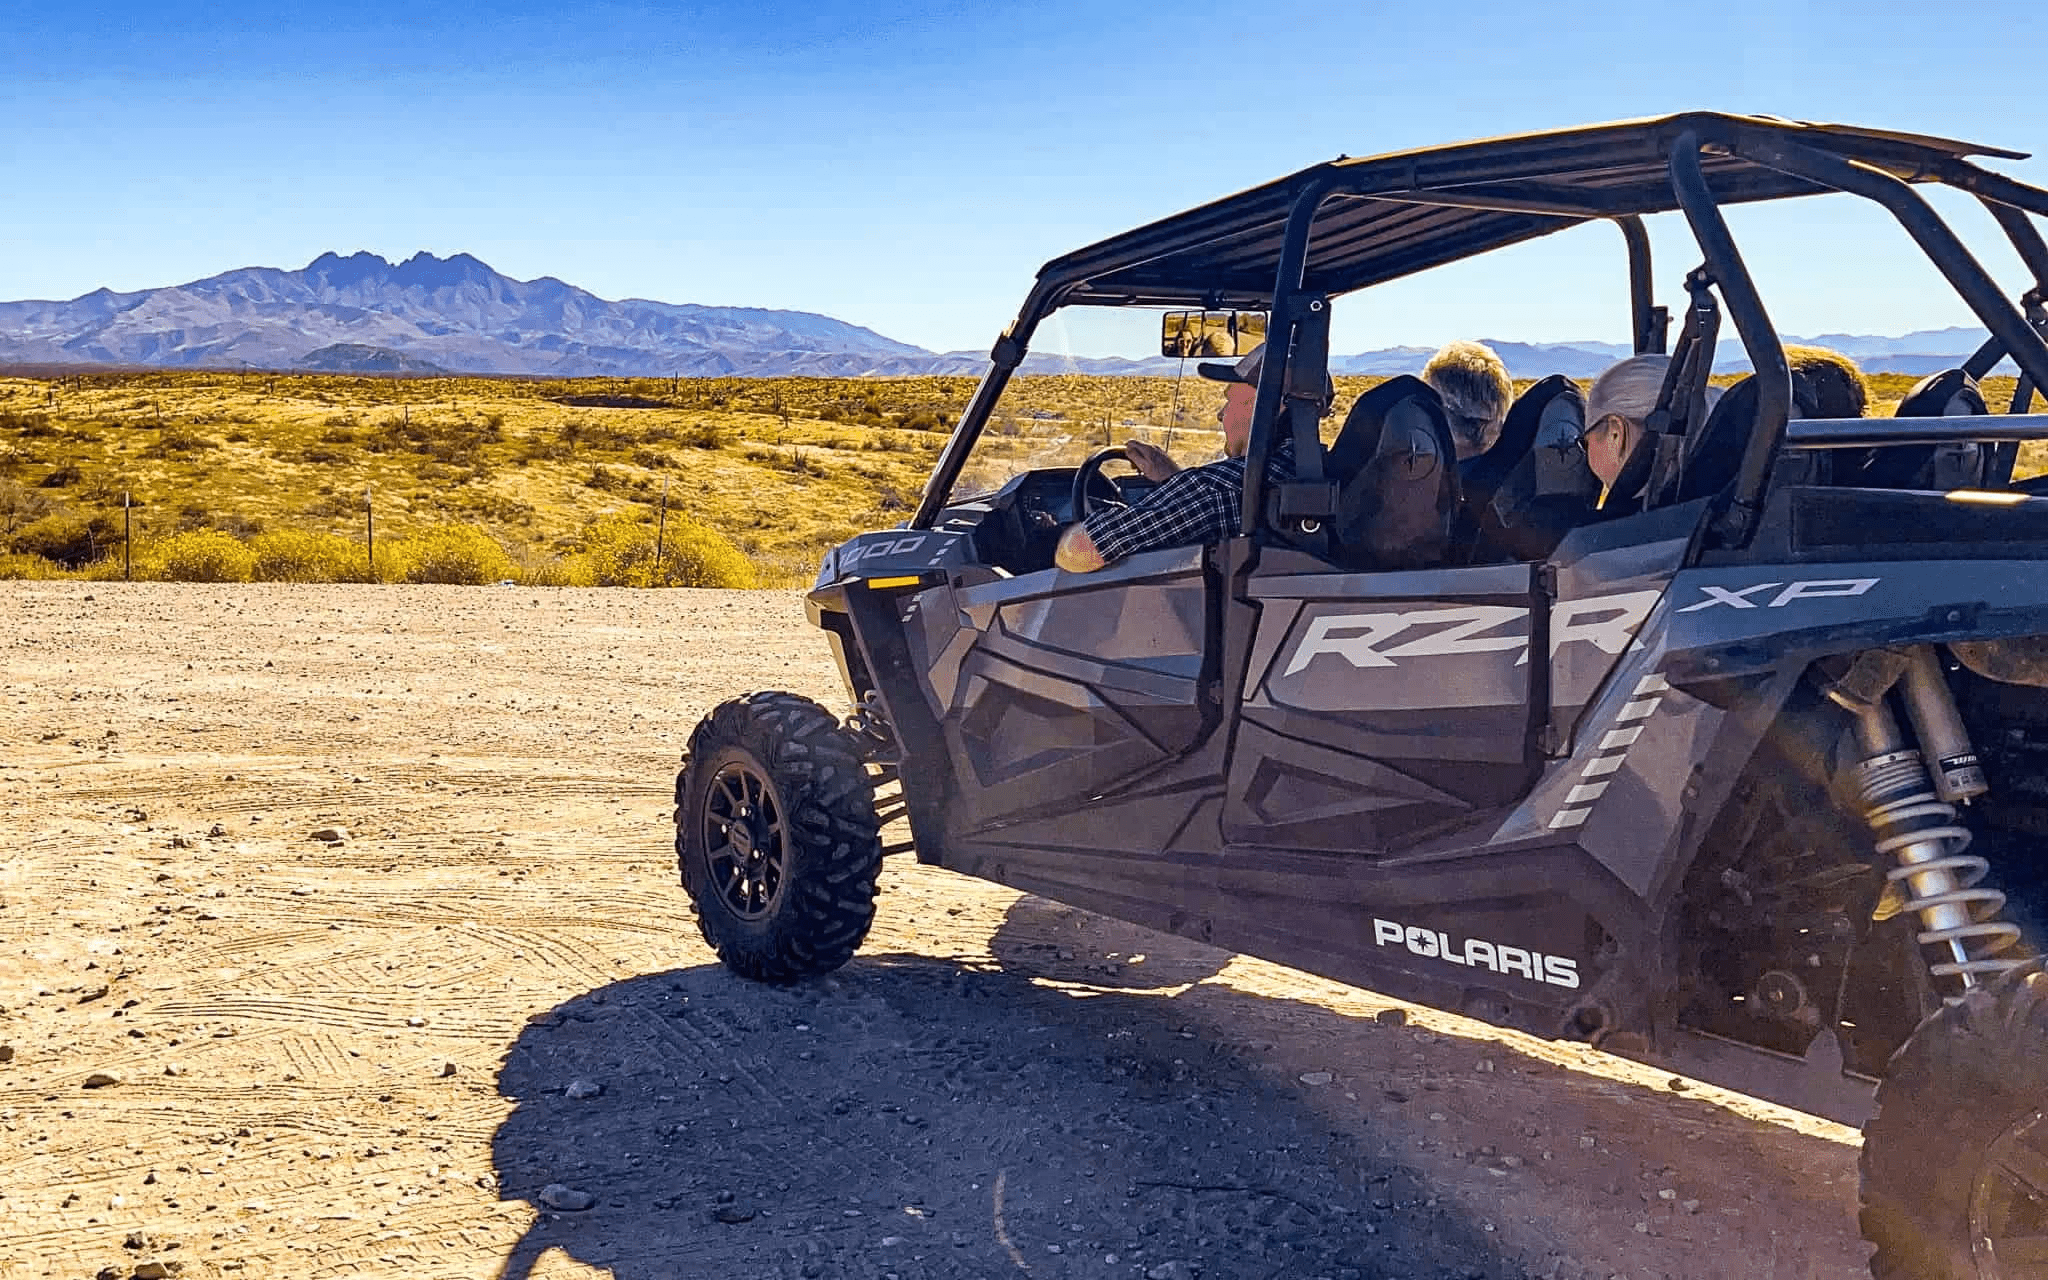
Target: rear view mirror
{"x":1211,"y":334}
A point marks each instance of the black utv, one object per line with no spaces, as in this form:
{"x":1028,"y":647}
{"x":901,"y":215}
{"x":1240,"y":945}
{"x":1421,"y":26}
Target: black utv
{"x":1739,"y":766}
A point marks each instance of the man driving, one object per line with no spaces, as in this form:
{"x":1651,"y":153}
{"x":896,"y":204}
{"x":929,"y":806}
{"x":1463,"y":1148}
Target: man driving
{"x":1191,"y":506}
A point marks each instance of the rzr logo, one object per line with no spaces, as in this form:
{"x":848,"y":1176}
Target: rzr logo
{"x":1558,"y":971}
{"x":1608,"y":622}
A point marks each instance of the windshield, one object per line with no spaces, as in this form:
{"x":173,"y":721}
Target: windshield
{"x":1049,"y":420}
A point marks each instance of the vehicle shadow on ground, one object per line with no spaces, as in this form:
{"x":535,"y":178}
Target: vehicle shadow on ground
{"x":915,"y":1118}
{"x":1040,"y":936}
{"x":918,"y":1118}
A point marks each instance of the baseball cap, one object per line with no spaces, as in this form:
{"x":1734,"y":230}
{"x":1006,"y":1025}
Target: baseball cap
{"x":1244,"y":369}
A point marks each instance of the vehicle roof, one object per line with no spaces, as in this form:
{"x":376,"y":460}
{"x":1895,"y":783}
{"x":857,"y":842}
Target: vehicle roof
{"x":1395,"y":214}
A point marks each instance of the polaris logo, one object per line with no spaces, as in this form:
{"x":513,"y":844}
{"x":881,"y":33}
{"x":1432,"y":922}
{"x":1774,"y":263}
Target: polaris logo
{"x":1478,"y":953}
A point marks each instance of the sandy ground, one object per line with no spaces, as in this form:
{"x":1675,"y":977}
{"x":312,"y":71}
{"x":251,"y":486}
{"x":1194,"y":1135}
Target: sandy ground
{"x":229,"y":1048}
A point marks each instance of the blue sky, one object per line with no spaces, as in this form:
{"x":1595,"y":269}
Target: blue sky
{"x":909,"y":166}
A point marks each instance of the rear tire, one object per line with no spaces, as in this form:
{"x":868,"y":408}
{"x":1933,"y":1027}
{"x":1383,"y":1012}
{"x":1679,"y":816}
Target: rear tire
{"x":776,"y":837}
{"x":1955,"y":1158}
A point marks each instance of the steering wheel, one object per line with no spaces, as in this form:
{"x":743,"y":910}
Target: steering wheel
{"x":1092,"y":490}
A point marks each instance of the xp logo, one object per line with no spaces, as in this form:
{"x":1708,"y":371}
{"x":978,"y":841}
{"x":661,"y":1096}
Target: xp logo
{"x":1787,"y":593}
{"x":1478,"y":953}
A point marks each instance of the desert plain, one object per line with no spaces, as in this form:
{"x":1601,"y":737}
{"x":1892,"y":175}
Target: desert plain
{"x":340,"y":936}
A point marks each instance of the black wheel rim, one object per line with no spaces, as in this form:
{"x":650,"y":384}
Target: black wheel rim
{"x":745,"y":843}
{"x":2009,"y":1204}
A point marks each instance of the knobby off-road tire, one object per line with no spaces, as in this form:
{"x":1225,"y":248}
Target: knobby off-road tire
{"x":777,"y":838}
{"x":1955,"y":1159}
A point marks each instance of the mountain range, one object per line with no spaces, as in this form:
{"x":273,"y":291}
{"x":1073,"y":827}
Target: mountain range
{"x":363,"y":314}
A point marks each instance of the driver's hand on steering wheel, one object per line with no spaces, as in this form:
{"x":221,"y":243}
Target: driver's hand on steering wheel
{"x":1152,"y":462}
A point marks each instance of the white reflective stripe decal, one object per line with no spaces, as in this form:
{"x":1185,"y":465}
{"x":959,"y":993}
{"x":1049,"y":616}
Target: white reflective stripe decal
{"x":1594,"y":778}
{"x":1621,"y":738}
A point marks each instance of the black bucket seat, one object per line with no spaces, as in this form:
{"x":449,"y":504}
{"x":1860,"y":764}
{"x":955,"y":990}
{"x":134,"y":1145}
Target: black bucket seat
{"x":1396,"y":473}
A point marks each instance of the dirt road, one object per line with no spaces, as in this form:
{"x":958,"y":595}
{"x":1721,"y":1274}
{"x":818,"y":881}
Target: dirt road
{"x":230,"y":1048}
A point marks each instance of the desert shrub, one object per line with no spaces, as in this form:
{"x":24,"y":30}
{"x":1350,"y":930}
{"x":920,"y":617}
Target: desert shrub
{"x":16,"y":565}
{"x":322,"y":453}
{"x":69,"y":538}
{"x":704,"y":435}
{"x":237,"y":437}
{"x":497,"y":508}
{"x":556,"y":571}
{"x":451,"y":554}
{"x":652,"y":459}
{"x":62,"y":477}
{"x":601,"y":479}
{"x":19,"y":506}
{"x":31,"y":425}
{"x":620,"y":553}
{"x":179,"y":440}
{"x":197,"y":555}
{"x":299,"y":555}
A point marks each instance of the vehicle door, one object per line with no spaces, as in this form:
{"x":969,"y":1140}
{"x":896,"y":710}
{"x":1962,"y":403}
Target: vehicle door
{"x":1379,"y":708}
{"x":1052,"y":688}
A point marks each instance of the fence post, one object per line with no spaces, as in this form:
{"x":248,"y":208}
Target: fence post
{"x":127,"y":541}
{"x":370,"y":531}
{"x":660,"y":531}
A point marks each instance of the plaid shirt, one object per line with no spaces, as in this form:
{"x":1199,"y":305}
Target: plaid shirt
{"x":1192,"y":506}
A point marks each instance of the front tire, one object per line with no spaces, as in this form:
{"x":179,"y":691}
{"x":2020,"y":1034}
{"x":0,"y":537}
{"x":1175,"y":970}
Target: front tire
{"x":776,"y":837}
{"x":1955,"y":1159}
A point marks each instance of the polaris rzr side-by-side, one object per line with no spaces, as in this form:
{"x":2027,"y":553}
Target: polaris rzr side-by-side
{"x":1742,"y":769}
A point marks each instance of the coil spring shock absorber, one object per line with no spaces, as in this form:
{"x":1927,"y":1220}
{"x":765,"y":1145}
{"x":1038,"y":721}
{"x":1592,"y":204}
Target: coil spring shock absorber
{"x":1913,"y":815}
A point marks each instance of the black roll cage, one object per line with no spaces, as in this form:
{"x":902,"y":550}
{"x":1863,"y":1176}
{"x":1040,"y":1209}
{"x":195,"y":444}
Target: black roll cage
{"x":1406,"y":212}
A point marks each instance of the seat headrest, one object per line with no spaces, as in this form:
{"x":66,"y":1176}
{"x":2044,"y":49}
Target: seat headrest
{"x":1952,"y":393}
{"x":1483,"y":473}
{"x":1558,"y":453}
{"x":1714,"y":455}
{"x":1398,"y":481}
{"x":1359,"y":438}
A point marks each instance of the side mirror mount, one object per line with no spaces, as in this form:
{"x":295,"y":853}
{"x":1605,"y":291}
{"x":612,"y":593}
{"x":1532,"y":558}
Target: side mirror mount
{"x":1210,"y":335}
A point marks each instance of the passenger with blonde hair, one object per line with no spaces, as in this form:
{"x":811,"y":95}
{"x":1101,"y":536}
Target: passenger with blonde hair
{"x":1830,"y":380}
{"x":1474,"y":387}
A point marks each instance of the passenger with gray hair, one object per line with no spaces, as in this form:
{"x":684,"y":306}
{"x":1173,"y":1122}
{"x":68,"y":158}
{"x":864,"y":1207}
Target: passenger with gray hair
{"x":1474,"y":387}
{"x":1617,"y":405}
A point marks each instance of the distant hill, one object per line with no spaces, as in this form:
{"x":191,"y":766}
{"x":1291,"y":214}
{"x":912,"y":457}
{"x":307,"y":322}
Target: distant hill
{"x":451,"y":313}
{"x":354,"y":357}
{"x":362,"y":314}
